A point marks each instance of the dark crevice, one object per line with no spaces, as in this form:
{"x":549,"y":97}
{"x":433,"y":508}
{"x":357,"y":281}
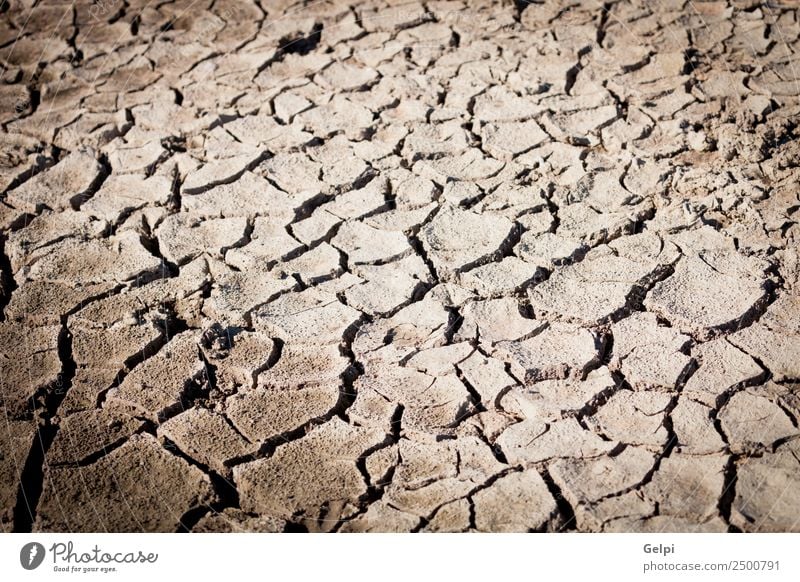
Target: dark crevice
{"x":572,"y":77}
{"x":32,"y":478}
{"x":728,"y":490}
{"x":565,"y":510}
{"x":168,"y":269}
{"x":228,"y":496}
{"x":348,"y":393}
{"x":7,"y":282}
{"x":375,"y":490}
{"x":605,"y":12}
{"x":203,"y":389}
{"x":301,"y":45}
{"x":228,"y":179}
{"x":130,"y":363}
{"x":43,"y":162}
{"x":473,"y":392}
{"x":105,"y":171}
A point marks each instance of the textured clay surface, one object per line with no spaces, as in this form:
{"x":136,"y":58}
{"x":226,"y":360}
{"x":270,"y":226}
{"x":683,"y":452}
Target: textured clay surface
{"x":399,"y":266}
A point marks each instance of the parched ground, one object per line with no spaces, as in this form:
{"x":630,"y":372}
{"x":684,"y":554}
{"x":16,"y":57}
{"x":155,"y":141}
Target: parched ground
{"x":405,"y":266}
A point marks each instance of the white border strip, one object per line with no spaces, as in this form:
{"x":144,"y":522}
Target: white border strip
{"x":397,"y":557}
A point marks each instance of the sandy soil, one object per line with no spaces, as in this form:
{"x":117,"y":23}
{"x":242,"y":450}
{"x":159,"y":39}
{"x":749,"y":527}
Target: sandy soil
{"x":405,"y":266}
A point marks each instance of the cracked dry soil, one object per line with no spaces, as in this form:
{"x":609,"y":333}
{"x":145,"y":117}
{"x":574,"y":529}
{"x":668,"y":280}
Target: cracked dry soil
{"x":404,"y":266}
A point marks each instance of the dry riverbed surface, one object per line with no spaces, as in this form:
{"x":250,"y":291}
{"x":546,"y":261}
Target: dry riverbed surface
{"x":407,"y":266}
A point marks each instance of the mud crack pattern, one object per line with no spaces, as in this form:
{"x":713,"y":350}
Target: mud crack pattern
{"x":404,"y":266}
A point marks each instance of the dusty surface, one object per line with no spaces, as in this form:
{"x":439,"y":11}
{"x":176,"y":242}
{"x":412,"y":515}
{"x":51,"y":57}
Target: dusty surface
{"x":409,"y":267}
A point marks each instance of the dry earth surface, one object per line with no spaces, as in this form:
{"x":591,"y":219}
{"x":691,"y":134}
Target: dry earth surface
{"x":404,"y":266}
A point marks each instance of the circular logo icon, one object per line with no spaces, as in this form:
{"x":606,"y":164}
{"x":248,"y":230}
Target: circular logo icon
{"x":31,"y":555}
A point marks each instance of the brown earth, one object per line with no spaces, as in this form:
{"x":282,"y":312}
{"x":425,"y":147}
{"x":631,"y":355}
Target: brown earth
{"x":404,"y":266}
